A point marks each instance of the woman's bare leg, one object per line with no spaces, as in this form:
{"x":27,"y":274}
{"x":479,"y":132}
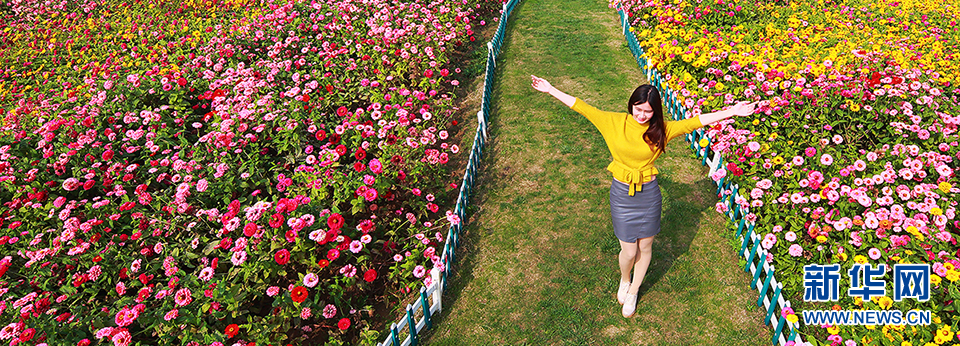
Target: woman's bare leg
{"x":628,"y":259}
{"x":645,"y":247}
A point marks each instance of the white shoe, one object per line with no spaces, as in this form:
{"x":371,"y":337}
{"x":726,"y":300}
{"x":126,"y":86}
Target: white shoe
{"x":629,"y":305}
{"x":622,"y":292}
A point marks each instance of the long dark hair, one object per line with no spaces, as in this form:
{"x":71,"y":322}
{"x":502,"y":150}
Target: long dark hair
{"x":656,"y":134}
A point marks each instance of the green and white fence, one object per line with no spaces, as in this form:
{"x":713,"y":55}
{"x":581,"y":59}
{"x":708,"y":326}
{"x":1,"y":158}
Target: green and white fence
{"x":419,"y":315}
{"x":756,"y":264}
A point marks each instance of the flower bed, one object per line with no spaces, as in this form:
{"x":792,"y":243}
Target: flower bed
{"x":851,"y":157}
{"x":210,"y":172}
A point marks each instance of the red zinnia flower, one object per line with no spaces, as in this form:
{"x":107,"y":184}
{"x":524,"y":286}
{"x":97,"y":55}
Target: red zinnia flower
{"x":282,"y":256}
{"x":333,"y":254}
{"x":250,"y":229}
{"x":335,"y":221}
{"x":370,"y":275}
{"x":360,"y":154}
{"x":299,"y":294}
{"x":231,"y":330}
{"x":344,"y":323}
{"x":276,"y":220}
{"x":358,"y":166}
{"x":323,"y":263}
{"x":28,"y":334}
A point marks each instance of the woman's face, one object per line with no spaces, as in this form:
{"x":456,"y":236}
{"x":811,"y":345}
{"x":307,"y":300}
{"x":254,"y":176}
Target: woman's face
{"x":642,"y":112}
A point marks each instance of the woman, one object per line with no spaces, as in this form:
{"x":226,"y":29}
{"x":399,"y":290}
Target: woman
{"x":635,"y":140}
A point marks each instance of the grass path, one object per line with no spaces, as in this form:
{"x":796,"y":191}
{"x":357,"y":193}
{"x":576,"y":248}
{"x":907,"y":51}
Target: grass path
{"x":538,"y":261}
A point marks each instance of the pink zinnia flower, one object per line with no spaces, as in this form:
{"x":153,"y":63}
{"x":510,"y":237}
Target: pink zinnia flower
{"x":126,"y":316}
{"x":796,"y":250}
{"x":71,"y":184}
{"x":375,"y":166}
{"x":104,"y":332}
{"x":826,"y":159}
{"x":310,"y":280}
{"x":419,"y":271}
{"x":305,"y":313}
{"x":122,"y":338}
{"x":348,"y":271}
{"x":329,"y":311}
{"x":238,"y":258}
{"x":790,"y":236}
{"x":183,"y":297}
{"x":172,"y":314}
{"x":356,"y":246}
{"x":273,"y":291}
{"x":206,"y":274}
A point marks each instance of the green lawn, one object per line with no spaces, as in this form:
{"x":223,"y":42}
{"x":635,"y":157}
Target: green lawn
{"x":538,"y":261}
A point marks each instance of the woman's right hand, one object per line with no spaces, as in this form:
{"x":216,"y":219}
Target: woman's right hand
{"x":541,"y":84}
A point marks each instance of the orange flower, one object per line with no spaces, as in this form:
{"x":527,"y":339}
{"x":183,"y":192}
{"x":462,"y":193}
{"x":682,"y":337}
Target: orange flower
{"x":886,"y":224}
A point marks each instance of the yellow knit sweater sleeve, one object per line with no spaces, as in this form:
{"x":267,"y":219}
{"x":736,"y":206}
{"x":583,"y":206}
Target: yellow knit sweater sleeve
{"x":601,"y":119}
{"x":682,"y":127}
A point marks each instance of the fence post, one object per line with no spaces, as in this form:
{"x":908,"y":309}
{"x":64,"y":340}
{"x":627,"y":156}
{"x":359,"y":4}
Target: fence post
{"x":483,"y":123}
{"x":437,"y":293}
{"x":424,"y":304}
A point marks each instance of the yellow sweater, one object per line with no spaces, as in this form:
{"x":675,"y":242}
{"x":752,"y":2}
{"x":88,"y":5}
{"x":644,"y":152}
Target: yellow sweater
{"x":632,"y":157}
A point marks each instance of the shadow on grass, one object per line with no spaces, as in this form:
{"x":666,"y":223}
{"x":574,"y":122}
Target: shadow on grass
{"x":683,"y":203}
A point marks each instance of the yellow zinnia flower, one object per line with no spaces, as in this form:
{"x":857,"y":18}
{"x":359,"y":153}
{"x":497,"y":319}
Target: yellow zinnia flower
{"x":834,"y":330}
{"x":885,"y":302}
{"x":861,"y":259}
{"x":944,"y":186}
{"x":953,"y":275}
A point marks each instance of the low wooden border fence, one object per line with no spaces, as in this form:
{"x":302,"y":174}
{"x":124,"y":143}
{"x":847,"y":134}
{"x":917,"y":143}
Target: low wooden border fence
{"x":419,"y":315}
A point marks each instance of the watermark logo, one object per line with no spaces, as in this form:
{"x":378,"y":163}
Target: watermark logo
{"x":821,"y":283}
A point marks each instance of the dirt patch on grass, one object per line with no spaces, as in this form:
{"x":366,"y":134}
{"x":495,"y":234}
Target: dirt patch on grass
{"x":613,"y":331}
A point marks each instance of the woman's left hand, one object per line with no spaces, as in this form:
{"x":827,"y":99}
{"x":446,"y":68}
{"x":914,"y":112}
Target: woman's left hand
{"x":743,"y":108}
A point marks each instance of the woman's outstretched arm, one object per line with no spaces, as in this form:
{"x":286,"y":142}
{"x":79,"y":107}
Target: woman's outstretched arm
{"x":742,"y":108}
{"x":544,"y":86}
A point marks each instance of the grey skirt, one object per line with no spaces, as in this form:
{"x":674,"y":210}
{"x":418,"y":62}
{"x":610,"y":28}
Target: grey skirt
{"x":638,"y":216}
